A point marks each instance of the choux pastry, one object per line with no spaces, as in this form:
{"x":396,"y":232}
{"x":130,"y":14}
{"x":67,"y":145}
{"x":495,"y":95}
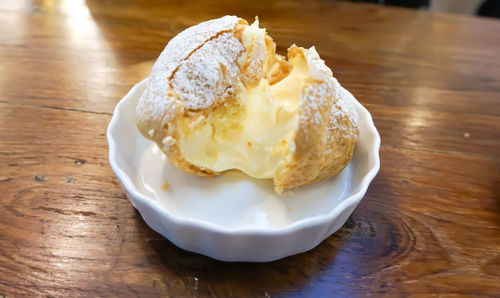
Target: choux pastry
{"x":220,"y":98}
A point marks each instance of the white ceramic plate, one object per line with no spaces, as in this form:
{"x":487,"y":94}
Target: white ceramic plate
{"x":233,"y":217}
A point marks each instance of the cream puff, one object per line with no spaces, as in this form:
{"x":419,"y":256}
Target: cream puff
{"x":220,"y":98}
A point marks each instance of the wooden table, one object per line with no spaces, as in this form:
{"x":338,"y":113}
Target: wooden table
{"x":430,"y":222}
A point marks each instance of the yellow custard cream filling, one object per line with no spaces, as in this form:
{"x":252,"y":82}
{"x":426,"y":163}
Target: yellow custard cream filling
{"x":255,"y":134}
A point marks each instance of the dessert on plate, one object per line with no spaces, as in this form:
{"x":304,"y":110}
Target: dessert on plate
{"x":220,"y":98}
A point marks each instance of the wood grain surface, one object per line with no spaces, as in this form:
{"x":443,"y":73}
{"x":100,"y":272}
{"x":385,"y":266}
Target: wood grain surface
{"x":429,"y":224}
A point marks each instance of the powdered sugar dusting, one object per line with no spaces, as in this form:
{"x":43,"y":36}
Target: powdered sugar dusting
{"x":314,"y":100}
{"x":255,"y":57}
{"x":343,"y":111}
{"x":318,"y":69}
{"x":209,"y":72}
{"x":317,"y":96}
{"x":156,"y":104}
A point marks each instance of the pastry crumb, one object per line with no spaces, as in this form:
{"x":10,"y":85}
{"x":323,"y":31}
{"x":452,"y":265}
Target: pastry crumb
{"x":165,"y":185}
{"x":41,"y":178}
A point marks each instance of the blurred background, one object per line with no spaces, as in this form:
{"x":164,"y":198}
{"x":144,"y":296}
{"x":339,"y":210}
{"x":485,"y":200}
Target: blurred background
{"x":486,"y":8}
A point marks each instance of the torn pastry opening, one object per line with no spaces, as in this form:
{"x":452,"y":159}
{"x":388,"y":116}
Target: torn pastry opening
{"x":255,"y":131}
